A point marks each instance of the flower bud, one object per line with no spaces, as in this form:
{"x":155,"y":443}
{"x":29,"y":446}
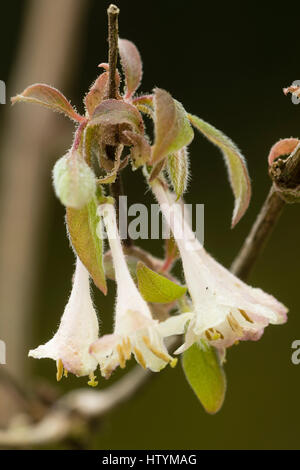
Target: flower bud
{"x":74,"y":181}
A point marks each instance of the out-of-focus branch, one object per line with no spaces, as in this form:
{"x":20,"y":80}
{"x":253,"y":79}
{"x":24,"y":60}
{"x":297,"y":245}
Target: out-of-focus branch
{"x":73,"y":411}
{"x":48,"y":42}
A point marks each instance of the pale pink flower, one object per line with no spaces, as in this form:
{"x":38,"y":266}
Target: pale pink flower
{"x":135,"y":331}
{"x":224,"y":309}
{"x":78,"y":328}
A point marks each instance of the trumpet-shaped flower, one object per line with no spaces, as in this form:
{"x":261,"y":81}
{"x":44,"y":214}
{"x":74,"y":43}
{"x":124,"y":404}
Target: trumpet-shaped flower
{"x":225,"y":309}
{"x":135,"y":331}
{"x":77,"y":330}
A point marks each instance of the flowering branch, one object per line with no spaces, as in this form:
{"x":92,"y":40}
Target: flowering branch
{"x":221,"y":311}
{"x":82,"y":405}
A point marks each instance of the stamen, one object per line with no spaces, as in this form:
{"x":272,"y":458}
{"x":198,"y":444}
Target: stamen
{"x":220,"y":334}
{"x":122,"y":359}
{"x":244,"y":314}
{"x":216,"y":334}
{"x":106,"y":372}
{"x":139,"y":357}
{"x":60,"y":370}
{"x":126,"y":346}
{"x":66,"y":373}
{"x":173,"y":363}
{"x":92,"y":382}
{"x":235,"y":326}
{"x":208,"y":335}
{"x":155,"y":351}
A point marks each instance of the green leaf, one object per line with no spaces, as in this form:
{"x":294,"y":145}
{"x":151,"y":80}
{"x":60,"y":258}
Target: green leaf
{"x":82,"y":225}
{"x":156,"y":288}
{"x":49,"y":97}
{"x":236,"y":165}
{"x":205,"y":375}
{"x":131,"y":64}
{"x":172,"y":128}
{"x":178,"y":166}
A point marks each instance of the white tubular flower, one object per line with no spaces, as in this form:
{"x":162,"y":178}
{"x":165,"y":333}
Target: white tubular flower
{"x":78,"y":328}
{"x":135,"y":331}
{"x":225,"y":309}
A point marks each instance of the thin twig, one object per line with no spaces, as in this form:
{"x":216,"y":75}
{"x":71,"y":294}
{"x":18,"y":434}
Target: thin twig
{"x":116,"y":188}
{"x":259,"y":234}
{"x":285,"y":188}
{"x":113,"y":13}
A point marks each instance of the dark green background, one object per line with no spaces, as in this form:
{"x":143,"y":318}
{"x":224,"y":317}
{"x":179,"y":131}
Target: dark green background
{"x":228,"y":64}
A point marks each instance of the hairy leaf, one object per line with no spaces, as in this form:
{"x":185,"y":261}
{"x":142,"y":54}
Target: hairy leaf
{"x":156,"y":288}
{"x":172,"y":128}
{"x":141,"y":150}
{"x":98,"y":92}
{"x":205,"y":375}
{"x":178,"y":166}
{"x":49,"y":97}
{"x":132,"y":66}
{"x":235,"y":162}
{"x":113,"y":112}
{"x":82,"y":225}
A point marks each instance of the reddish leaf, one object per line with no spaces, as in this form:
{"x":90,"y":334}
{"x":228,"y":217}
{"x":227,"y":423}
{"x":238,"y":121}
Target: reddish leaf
{"x":97,"y":93}
{"x":49,"y":97}
{"x":141,"y":150}
{"x":113,"y":112}
{"x":172,"y":128}
{"x":132,"y":66}
{"x":157,"y":169}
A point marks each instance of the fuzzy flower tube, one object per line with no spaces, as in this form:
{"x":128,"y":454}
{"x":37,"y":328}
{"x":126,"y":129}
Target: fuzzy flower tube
{"x":78,"y":328}
{"x":135,"y":331}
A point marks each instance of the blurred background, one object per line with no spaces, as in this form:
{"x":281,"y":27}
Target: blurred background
{"x":226,"y":63}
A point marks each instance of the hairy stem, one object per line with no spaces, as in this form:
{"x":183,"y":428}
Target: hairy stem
{"x":116,"y":188}
{"x":113,"y":13}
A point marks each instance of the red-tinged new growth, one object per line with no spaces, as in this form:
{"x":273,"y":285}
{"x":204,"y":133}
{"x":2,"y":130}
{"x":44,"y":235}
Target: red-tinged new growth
{"x":282,"y":148}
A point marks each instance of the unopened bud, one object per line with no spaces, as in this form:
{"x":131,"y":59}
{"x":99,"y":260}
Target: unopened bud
{"x":74,"y":181}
